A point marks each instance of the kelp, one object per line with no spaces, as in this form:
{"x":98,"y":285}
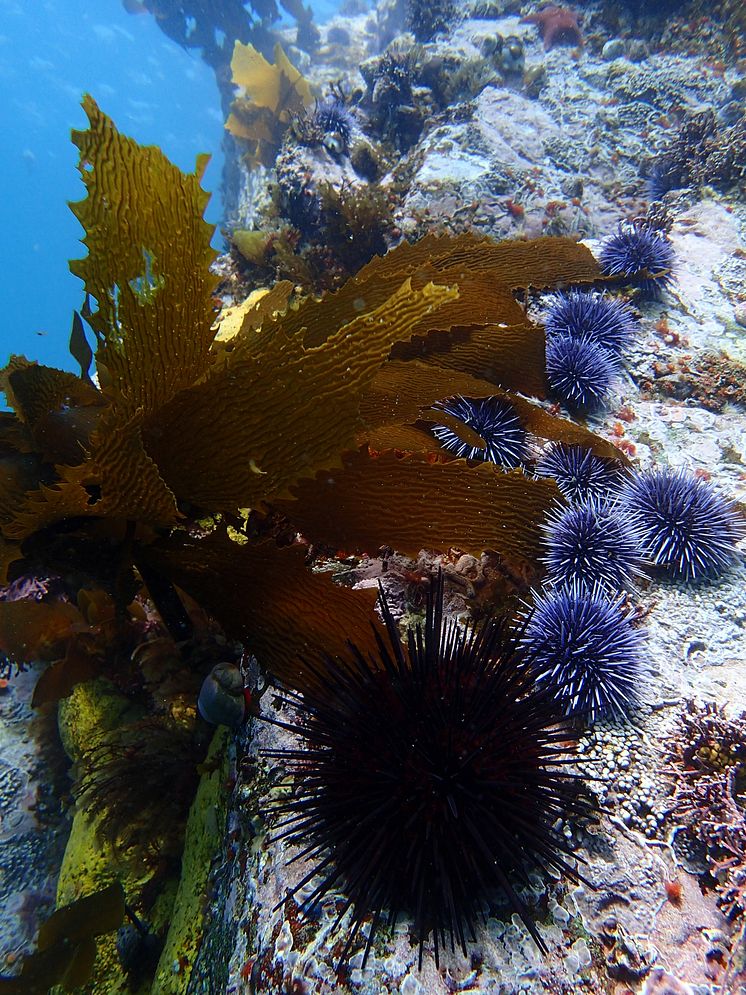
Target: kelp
{"x":264,"y":594}
{"x":273,"y":93}
{"x":66,"y":945}
{"x":278,"y":410}
{"x":318,"y":411}
{"x":449,"y":504}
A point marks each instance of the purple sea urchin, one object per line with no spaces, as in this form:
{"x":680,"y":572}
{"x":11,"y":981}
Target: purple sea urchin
{"x":641,"y":254}
{"x":428,"y":780}
{"x":580,"y":373}
{"x":579,"y":473}
{"x":607,"y":321}
{"x":584,"y":649}
{"x":334,"y":122}
{"x":593,"y":544}
{"x":684,"y":525}
{"x":494,"y":420}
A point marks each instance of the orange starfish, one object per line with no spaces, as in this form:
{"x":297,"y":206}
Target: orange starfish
{"x":556,"y":24}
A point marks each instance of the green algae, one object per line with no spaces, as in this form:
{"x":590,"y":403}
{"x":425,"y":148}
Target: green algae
{"x":93,"y":710}
{"x":203,"y":840}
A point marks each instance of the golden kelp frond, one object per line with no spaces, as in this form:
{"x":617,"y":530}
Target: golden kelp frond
{"x":402,"y":394}
{"x":14,"y":435}
{"x":512,"y":356}
{"x":120,"y":480}
{"x":60,"y":410}
{"x":66,"y":945}
{"x":33,"y":390}
{"x":276,"y":411}
{"x":536,"y":263}
{"x":472,"y":508}
{"x":273,"y":94}
{"x":147,"y":265}
{"x":35,"y":630}
{"x":261,"y":305}
{"x":264,"y":595}
{"x":486,"y":272}
{"x":370,"y":287}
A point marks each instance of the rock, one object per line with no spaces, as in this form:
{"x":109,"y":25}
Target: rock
{"x":613,"y":49}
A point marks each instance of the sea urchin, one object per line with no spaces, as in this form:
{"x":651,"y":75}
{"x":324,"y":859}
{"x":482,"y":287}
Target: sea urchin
{"x":580,"y":373}
{"x":494,"y":420}
{"x":641,"y":254}
{"x":607,"y":321}
{"x":684,"y":525}
{"x":428,"y":781}
{"x":585,"y":650}
{"x":579,"y":473}
{"x":593,"y":543}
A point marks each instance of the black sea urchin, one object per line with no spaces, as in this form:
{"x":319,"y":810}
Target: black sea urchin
{"x":579,"y":473}
{"x":607,"y":321}
{"x":585,"y":650}
{"x":642,"y":255}
{"x":429,"y":780}
{"x":580,"y":373}
{"x":593,"y":543}
{"x":494,"y":420}
{"x":332,"y":119}
{"x":684,"y":525}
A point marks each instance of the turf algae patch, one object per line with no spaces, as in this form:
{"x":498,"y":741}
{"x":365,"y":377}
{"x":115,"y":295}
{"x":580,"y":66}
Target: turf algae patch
{"x":204,"y":836}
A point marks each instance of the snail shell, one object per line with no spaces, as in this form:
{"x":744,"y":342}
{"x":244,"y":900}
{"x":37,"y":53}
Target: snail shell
{"x":221,"y":699}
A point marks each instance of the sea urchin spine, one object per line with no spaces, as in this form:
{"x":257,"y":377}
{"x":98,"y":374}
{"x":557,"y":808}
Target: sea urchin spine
{"x":579,"y":473}
{"x":684,"y":525}
{"x":428,"y":781}
{"x":607,"y":321}
{"x":494,"y":420}
{"x":580,"y":373}
{"x":641,"y":254}
{"x":585,"y":650}
{"x":593,"y":543}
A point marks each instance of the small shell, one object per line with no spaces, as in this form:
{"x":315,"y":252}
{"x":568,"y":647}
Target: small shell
{"x":221,"y":700}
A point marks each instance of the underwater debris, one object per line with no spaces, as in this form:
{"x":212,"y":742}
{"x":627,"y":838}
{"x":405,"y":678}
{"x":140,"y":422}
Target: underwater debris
{"x":273,"y":95}
{"x":443,"y":748}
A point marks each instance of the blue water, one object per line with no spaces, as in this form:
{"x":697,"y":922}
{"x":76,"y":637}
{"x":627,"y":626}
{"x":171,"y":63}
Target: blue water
{"x":51,"y":52}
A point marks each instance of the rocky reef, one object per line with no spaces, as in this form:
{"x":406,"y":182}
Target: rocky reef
{"x":479,"y":263}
